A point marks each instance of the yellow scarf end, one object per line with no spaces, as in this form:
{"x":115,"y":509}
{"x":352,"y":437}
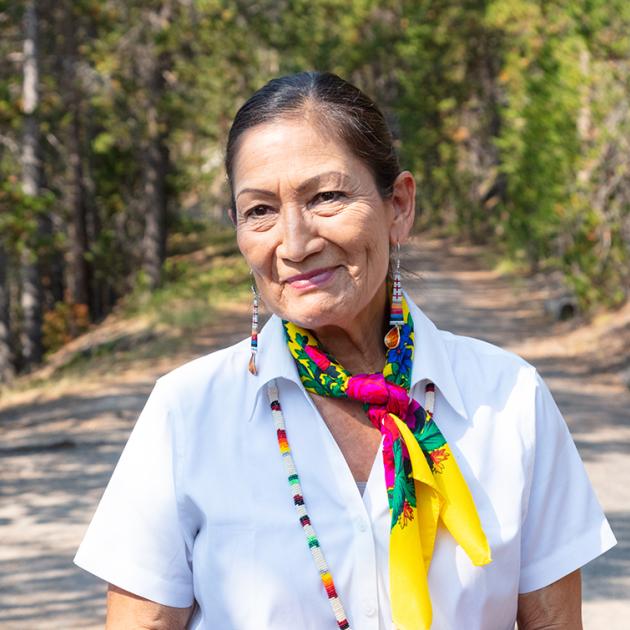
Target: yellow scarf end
{"x":480,"y":556}
{"x":480,"y":562}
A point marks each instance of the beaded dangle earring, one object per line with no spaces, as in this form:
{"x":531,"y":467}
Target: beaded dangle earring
{"x":254,"y":337}
{"x":392,"y":338}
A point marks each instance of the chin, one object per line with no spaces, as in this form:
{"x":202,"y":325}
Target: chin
{"x":312,"y":311}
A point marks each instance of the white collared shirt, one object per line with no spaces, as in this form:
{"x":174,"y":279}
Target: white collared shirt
{"x":199,"y":507}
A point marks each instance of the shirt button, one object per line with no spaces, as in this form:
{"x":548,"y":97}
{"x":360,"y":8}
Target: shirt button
{"x":370,"y":609}
{"x":361,"y":524}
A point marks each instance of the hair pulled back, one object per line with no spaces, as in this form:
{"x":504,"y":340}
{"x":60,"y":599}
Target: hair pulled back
{"x":340,"y":108}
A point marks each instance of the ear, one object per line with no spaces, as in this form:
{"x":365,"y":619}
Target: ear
{"x":231,"y":212}
{"x":403,"y":202}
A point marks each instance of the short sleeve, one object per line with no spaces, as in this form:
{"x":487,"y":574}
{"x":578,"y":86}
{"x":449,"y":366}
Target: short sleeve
{"x":564,"y":526}
{"x":135,"y":540}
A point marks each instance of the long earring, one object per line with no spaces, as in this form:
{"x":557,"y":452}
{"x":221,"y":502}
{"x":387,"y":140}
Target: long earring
{"x":392,"y":338}
{"x":254,"y":337}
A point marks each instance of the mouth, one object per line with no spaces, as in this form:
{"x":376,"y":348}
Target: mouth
{"x":312,"y":279}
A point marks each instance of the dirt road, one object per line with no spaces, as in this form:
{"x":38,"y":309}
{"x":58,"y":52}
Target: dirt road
{"x":57,"y":451}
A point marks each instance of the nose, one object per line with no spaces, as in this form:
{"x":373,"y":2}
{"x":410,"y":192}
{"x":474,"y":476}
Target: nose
{"x":299,"y":236}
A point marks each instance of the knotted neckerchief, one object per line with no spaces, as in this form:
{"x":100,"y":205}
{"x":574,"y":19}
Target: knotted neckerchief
{"x":424,"y":483}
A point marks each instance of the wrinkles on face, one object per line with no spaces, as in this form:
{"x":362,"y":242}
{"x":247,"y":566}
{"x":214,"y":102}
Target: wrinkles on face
{"x":310,"y":223}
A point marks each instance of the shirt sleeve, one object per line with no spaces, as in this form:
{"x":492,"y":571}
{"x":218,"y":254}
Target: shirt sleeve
{"x":135,"y":540}
{"x":564,"y":526}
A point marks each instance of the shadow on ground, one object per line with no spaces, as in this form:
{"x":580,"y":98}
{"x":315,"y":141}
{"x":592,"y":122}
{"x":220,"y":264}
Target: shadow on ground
{"x":56,"y":455}
{"x":608,"y":577}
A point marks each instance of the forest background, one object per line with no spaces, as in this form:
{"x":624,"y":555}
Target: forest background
{"x":514,"y":115}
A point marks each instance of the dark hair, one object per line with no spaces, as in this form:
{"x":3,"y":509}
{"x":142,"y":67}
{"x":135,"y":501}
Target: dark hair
{"x":338,"y":105}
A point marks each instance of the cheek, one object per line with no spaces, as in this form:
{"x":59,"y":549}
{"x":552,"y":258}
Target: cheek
{"x":366,"y":240}
{"x":377,"y":261}
{"x":254,"y":247}
{"x":375,"y":254}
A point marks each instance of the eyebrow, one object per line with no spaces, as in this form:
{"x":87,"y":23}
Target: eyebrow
{"x":311,"y":182}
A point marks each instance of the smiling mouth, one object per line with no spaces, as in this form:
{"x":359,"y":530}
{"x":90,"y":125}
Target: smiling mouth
{"x":312,"y":279}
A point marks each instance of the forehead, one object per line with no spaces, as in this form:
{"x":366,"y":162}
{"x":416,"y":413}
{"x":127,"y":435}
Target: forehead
{"x":290,"y":150}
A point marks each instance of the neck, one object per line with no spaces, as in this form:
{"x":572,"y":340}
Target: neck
{"x":358,"y":344}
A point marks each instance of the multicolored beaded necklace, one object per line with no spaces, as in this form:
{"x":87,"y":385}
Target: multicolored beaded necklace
{"x":300,"y":507}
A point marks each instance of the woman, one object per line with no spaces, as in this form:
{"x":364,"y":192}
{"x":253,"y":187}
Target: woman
{"x":299,"y":479}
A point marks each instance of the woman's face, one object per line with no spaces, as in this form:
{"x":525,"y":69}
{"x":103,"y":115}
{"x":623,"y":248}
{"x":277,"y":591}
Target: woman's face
{"x":311,"y":223}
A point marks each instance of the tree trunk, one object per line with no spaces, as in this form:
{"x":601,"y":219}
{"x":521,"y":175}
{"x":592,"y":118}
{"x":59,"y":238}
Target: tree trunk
{"x":6,"y":358}
{"x":31,"y":337}
{"x":156,"y":166}
{"x":79,"y":271}
{"x":55,"y":263}
{"x":31,"y":178}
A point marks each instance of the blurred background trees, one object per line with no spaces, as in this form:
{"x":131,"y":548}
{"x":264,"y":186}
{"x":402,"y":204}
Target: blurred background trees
{"x":513,"y":114}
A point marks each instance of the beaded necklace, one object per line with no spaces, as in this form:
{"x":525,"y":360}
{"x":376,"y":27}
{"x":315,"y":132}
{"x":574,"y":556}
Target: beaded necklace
{"x":300,"y":506}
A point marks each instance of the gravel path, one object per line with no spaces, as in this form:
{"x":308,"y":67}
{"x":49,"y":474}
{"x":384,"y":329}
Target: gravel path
{"x":57,"y":451}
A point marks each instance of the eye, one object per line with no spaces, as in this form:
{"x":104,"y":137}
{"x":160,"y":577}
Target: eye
{"x":257,"y":211}
{"x":327,"y":196}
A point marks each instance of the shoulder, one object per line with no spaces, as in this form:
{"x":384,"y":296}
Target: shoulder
{"x":482,"y":360}
{"x":219,"y":386}
{"x":492,"y":378}
{"x":202,"y":383}
{"x":480,"y":370}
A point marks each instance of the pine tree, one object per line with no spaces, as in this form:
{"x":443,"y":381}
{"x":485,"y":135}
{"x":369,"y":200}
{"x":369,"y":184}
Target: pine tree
{"x":31,"y":178}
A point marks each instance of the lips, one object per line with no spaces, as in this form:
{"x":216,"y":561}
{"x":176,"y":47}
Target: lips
{"x":311,"y":279}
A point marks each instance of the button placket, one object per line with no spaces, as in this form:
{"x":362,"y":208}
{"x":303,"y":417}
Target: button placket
{"x":364,"y":586}
{"x":369,"y":608}
{"x":366,"y":556}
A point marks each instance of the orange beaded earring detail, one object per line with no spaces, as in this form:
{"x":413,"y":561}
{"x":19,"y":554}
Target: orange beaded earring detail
{"x":392,"y":338}
{"x":254,"y":337}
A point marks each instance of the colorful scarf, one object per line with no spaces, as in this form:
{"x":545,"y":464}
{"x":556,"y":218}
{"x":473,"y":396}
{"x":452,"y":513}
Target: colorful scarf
{"x":424,"y":483}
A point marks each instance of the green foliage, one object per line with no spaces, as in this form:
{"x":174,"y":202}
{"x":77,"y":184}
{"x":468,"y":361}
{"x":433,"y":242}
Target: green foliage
{"x":20,"y":215}
{"x":196,"y":284}
{"x":512,"y":114}
{"x":565,"y":130}
{"x":62,"y":323}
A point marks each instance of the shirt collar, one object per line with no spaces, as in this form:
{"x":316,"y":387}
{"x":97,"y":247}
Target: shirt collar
{"x":273,"y":361}
{"x":431,"y":361}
